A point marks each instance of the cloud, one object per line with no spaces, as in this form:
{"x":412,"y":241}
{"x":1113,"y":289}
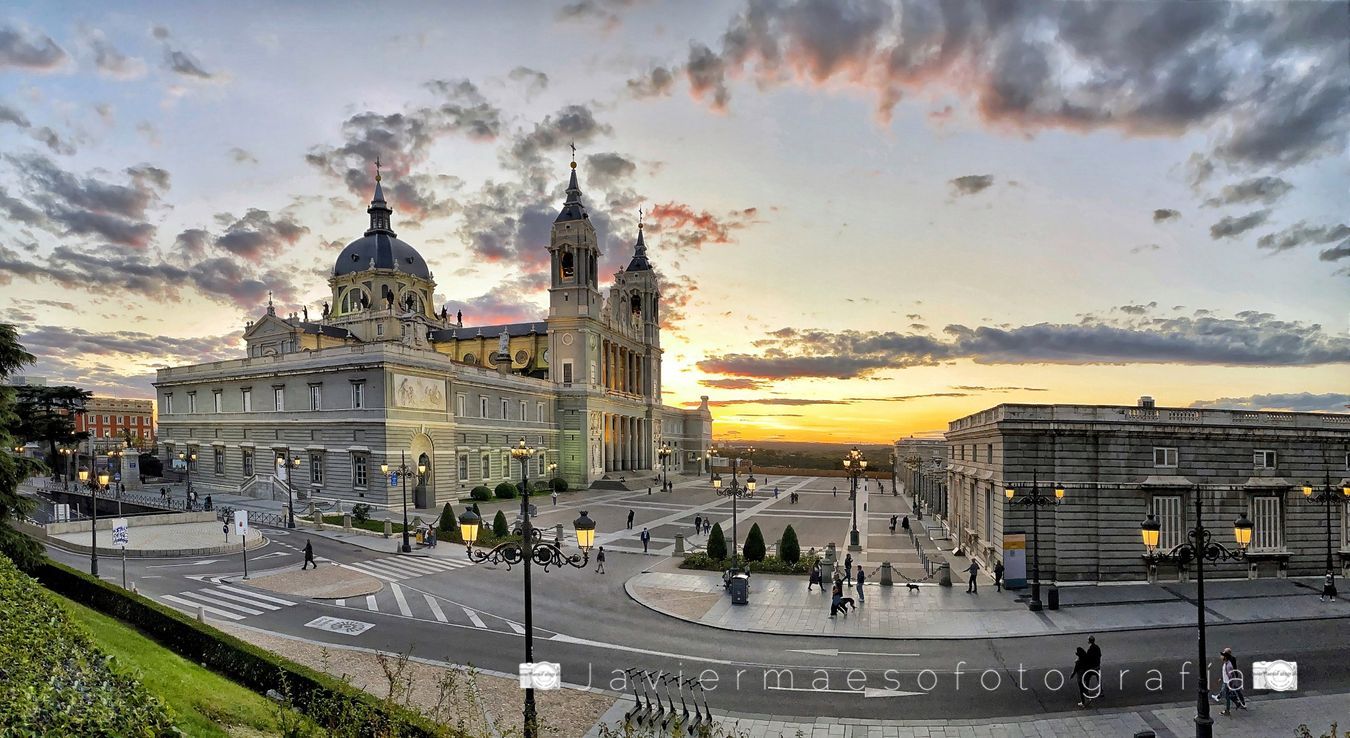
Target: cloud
{"x":496,"y":307}
{"x":258,"y":235}
{"x":1162,"y":215}
{"x":1231,"y":226}
{"x":980,"y":388}
{"x":1249,"y":338}
{"x":789,"y":401}
{"x":89,"y":206}
{"x":971,"y":184}
{"x":609,"y":13}
{"x":682,"y":228}
{"x":1145,"y":247}
{"x":907,"y":398}
{"x":604,"y":170}
{"x":34,"y":51}
{"x":706,"y":73}
{"x":1302,"y":234}
{"x":108,"y":60}
{"x":1264,"y":190}
{"x":1290,"y":402}
{"x":655,"y":83}
{"x":50,"y":138}
{"x":734,"y":383}
{"x":571,"y":123}
{"x":533,"y":80}
{"x":240,"y":156}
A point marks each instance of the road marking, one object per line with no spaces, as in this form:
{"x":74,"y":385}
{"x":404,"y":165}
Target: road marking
{"x":274,"y":553}
{"x":342,"y":603}
{"x":473,"y":616}
{"x":194,"y":563}
{"x":246,"y":600}
{"x":221,"y":603}
{"x":339,"y":625}
{"x":370,"y":604}
{"x":211,"y":579}
{"x":871,"y":692}
{"x":836,"y":652}
{"x":258,"y":595}
{"x":398,"y":597}
{"x":193,"y":606}
{"x":435,"y":608}
{"x":517,"y":627}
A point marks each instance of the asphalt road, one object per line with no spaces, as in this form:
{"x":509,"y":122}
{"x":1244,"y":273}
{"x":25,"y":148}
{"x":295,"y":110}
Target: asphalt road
{"x":585,"y":621}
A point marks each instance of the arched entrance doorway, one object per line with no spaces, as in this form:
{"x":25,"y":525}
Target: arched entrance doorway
{"x":424,"y":454}
{"x":424,"y":486}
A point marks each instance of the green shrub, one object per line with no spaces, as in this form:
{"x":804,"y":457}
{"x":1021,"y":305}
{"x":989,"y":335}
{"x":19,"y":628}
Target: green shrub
{"x":770,"y":564}
{"x":505,"y":491}
{"x":499,"y":527}
{"x":788,"y":549}
{"x":476,"y":511}
{"x":361,"y":512}
{"x":717,"y":543}
{"x":481,"y":493}
{"x":754,"y":545}
{"x":449,"y":521}
{"x":54,"y":681}
{"x":558,"y":484}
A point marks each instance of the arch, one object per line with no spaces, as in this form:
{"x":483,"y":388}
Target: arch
{"x":635,"y":303}
{"x":423,"y":452}
{"x":351,"y":300}
{"x":567,"y":267}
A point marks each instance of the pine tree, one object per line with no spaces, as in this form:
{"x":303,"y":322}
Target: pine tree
{"x":717,"y":543}
{"x":754,"y":544}
{"x":448,"y":520}
{"x":499,"y":527}
{"x":24,"y":551}
{"x":789,"y":551}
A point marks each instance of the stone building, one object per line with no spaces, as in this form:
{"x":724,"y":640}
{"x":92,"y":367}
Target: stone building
{"x":118,"y":421}
{"x":379,"y":373}
{"x":1119,"y":463}
{"x":920,"y":465}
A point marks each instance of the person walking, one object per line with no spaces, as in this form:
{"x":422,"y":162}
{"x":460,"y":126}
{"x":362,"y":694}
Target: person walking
{"x":649,"y":491}
{"x":555,"y":498}
{"x":893,"y":520}
{"x":834,"y":491}
{"x":600,"y":561}
{"x":698,"y":524}
{"x":1328,"y":588}
{"x":862,"y":579}
{"x":815,"y":578}
{"x":1094,"y":675}
{"x":630,"y":520}
{"x":775,"y":493}
{"x":309,"y":556}
{"x":707,"y":526}
{"x":972,"y":587}
{"x":1080,"y":670}
{"x":646,"y":539}
{"x":848,"y":564}
{"x":904,"y":524}
{"x":1231,"y":686}
{"x":836,"y":597}
{"x":998,"y":576}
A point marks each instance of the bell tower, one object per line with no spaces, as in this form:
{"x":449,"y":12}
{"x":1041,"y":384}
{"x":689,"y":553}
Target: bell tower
{"x":574,"y":256}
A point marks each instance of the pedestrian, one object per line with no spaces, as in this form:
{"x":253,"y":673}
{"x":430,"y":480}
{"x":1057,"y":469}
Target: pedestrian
{"x":555,"y":498}
{"x":998,"y":577}
{"x":904,"y":524}
{"x":163,"y":493}
{"x":1328,"y":587}
{"x":1094,"y":653}
{"x":707,"y":526}
{"x":834,"y":491}
{"x":431,"y":535}
{"x":309,"y":556}
{"x":862,"y":578}
{"x":893,"y":521}
{"x":698,"y":524}
{"x":815,"y":578}
{"x":600,"y":561}
{"x":646,"y":539}
{"x":973,"y":569}
{"x":209,"y":505}
{"x":630,"y":520}
{"x":1231,"y":688}
{"x":1080,"y":670}
{"x":649,"y":491}
{"x":836,"y":598}
{"x":848,"y":564}
{"x":775,"y":493}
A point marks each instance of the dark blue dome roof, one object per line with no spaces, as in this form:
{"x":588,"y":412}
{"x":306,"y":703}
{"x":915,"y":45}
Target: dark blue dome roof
{"x":386,"y":251}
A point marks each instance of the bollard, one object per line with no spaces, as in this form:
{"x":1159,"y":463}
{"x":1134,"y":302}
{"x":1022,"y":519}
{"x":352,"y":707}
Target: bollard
{"x":830,"y":557}
{"x":679,"y":544}
{"x":557,"y":534}
{"x":886,"y":580}
{"x":201,"y":614}
{"x":318,"y":520}
{"x":388,"y":528}
{"x":945,"y":574}
{"x":347,"y":522}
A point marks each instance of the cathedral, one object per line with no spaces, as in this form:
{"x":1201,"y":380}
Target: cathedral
{"x":380,"y":377}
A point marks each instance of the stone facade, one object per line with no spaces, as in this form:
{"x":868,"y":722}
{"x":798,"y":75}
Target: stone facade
{"x":920,"y":463}
{"x":1117,"y":464}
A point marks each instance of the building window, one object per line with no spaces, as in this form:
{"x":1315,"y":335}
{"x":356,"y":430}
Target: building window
{"x":482,"y":407}
{"x":248,"y":462}
{"x":247,"y":395}
{"x":358,"y":470}
{"x":316,"y":468}
{"x":1268,"y":533}
{"x":989,"y":453}
{"x":506,"y":464}
{"x":463,"y":467}
{"x":315,"y":397}
{"x":168,"y":404}
{"x":379,"y":329}
{"x":989,"y":515}
{"x":504,"y":415}
{"x":279,"y":398}
{"x":567,"y":373}
{"x":1167,"y":511}
{"x":459,"y":406}
{"x":192,"y":405}
{"x":1164,"y":457}
{"x":215,"y":399}
{"x":218,"y":460}
{"x":522,"y":409}
{"x":358,"y":395}
{"x":487,"y":466}
{"x":1264,"y":459}
{"x":539,"y":411}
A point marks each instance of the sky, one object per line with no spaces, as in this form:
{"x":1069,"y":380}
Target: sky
{"x":870,"y":217}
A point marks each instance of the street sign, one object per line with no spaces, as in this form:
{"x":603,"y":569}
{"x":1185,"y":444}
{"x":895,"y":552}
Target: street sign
{"x":119,"y":533}
{"x":117,"y":477}
{"x":241,"y":522}
{"x":393,"y":479}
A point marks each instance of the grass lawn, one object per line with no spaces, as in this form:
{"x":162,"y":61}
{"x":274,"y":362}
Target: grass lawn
{"x":202,"y":702}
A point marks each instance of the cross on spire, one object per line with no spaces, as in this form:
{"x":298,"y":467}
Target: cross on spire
{"x":377,"y":169}
{"x":639,"y":219}
{"x":573,"y":146}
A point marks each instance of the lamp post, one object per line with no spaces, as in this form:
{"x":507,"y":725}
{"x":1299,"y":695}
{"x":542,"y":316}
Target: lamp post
{"x":736,"y":492}
{"x":1198,"y":548}
{"x":403,"y":472}
{"x":530,"y":549}
{"x":116,"y":454}
{"x":552,"y":472}
{"x":69,"y":453}
{"x":290,"y":467}
{"x":854,"y":466}
{"x":708,"y":455}
{"x":1326,"y":498}
{"x":664,"y":454}
{"x":188,"y":457}
{"x":1035,"y":500}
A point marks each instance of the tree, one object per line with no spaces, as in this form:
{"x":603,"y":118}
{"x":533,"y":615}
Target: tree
{"x":24,"y":551}
{"x":499,"y":527}
{"x":789,"y":550}
{"x":754,"y":544}
{"x":47,"y":414}
{"x":717,"y":543}
{"x":448,"y":520}
{"x":505,"y":491}
{"x":558,"y":484}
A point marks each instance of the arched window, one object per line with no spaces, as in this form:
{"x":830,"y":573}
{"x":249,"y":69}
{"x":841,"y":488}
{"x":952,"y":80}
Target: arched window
{"x":635,"y":302}
{"x":567,"y":266}
{"x":351,"y":301}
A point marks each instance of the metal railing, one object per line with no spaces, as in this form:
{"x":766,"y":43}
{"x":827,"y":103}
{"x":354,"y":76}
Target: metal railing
{"x":256,"y":518}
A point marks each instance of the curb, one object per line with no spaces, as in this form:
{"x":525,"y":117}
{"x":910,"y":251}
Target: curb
{"x":165,"y":553}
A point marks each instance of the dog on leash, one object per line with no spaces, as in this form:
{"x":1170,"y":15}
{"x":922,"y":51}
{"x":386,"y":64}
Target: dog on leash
{"x":847,"y":602}
{"x":912,"y":586}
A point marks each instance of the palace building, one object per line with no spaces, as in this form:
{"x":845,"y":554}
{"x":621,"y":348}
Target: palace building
{"x":381,"y":377}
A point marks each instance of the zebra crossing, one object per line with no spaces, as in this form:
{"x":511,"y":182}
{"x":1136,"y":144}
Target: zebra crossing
{"x":410,"y":603}
{"x":399,"y":568}
{"x":227,"y":601}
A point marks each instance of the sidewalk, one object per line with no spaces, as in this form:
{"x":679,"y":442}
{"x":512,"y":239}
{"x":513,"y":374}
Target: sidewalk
{"x":1269,"y":717}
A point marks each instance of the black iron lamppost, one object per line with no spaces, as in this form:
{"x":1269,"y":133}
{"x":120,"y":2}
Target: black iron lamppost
{"x":708,"y":455}
{"x":664,"y":454}
{"x":188,"y":457}
{"x":854,"y":466}
{"x":530,"y":549}
{"x":1035,"y":500}
{"x":1326,"y":498}
{"x":1198,"y":548}
{"x":403,"y":472}
{"x":736,"y":492}
{"x":69,"y":453}
{"x":116,"y":454}
{"x":291,"y":467}
{"x":99,"y":483}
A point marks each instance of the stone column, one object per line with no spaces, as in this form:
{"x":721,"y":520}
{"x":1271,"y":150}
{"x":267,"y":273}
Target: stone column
{"x":608,"y":441}
{"x":604,"y":365}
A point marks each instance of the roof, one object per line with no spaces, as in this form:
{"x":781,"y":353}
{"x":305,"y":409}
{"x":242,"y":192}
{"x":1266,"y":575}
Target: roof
{"x":323,"y":330}
{"x":490,"y":331}
{"x":386,"y":251}
{"x":639,"y":262}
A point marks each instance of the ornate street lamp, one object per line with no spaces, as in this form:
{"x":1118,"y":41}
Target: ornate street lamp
{"x":188,"y":457}
{"x":664,"y":454}
{"x":403,"y":472}
{"x":1200,"y":547}
{"x":117,"y":454}
{"x":736,"y":491}
{"x":1035,"y":500}
{"x":854,"y":466}
{"x":529,"y":550}
{"x":290,"y":468}
{"x":1326,"y":498}
{"x":708,"y":455}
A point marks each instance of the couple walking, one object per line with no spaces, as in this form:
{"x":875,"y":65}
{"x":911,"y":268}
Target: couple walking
{"x":1087,"y":672}
{"x":1230,"y":688}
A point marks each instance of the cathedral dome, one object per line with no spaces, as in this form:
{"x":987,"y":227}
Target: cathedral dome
{"x":380,"y":248}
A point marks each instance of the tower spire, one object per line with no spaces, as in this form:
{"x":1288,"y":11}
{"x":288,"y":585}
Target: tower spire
{"x":572,"y":208}
{"x":639,"y":262}
{"x":379,"y":209}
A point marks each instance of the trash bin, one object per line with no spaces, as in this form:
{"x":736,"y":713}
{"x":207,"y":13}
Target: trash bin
{"x":1052,"y":598}
{"x":740,"y":589}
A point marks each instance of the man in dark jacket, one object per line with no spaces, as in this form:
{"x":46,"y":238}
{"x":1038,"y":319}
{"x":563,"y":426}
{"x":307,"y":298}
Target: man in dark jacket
{"x":309,"y":556}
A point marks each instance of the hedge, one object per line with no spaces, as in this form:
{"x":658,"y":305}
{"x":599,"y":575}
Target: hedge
{"x":558,"y":484}
{"x":770,"y":564}
{"x":54,"y":681}
{"x":332,"y":703}
{"x":505,"y":491}
{"x":480,"y":493}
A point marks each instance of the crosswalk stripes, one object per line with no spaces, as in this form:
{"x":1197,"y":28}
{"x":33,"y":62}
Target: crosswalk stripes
{"x":399,"y":568}
{"x":401,"y":600}
{"x":227,"y":602}
{"x":435,"y":608}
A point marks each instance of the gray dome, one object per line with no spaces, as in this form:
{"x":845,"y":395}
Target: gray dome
{"x":386,"y":251}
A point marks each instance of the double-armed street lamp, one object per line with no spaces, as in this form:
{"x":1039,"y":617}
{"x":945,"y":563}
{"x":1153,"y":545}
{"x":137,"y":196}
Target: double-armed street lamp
{"x":736,"y":491}
{"x":855,"y":465}
{"x":531,"y":548}
{"x":116,"y":454}
{"x":708,"y":456}
{"x":290,"y":466}
{"x":1199,"y":548}
{"x":403,"y":471}
{"x":100,"y":482}
{"x":1035,"y":500}
{"x":664,"y":454}
{"x":1326,"y":498}
{"x":69,"y":453}
{"x":188,"y":457}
